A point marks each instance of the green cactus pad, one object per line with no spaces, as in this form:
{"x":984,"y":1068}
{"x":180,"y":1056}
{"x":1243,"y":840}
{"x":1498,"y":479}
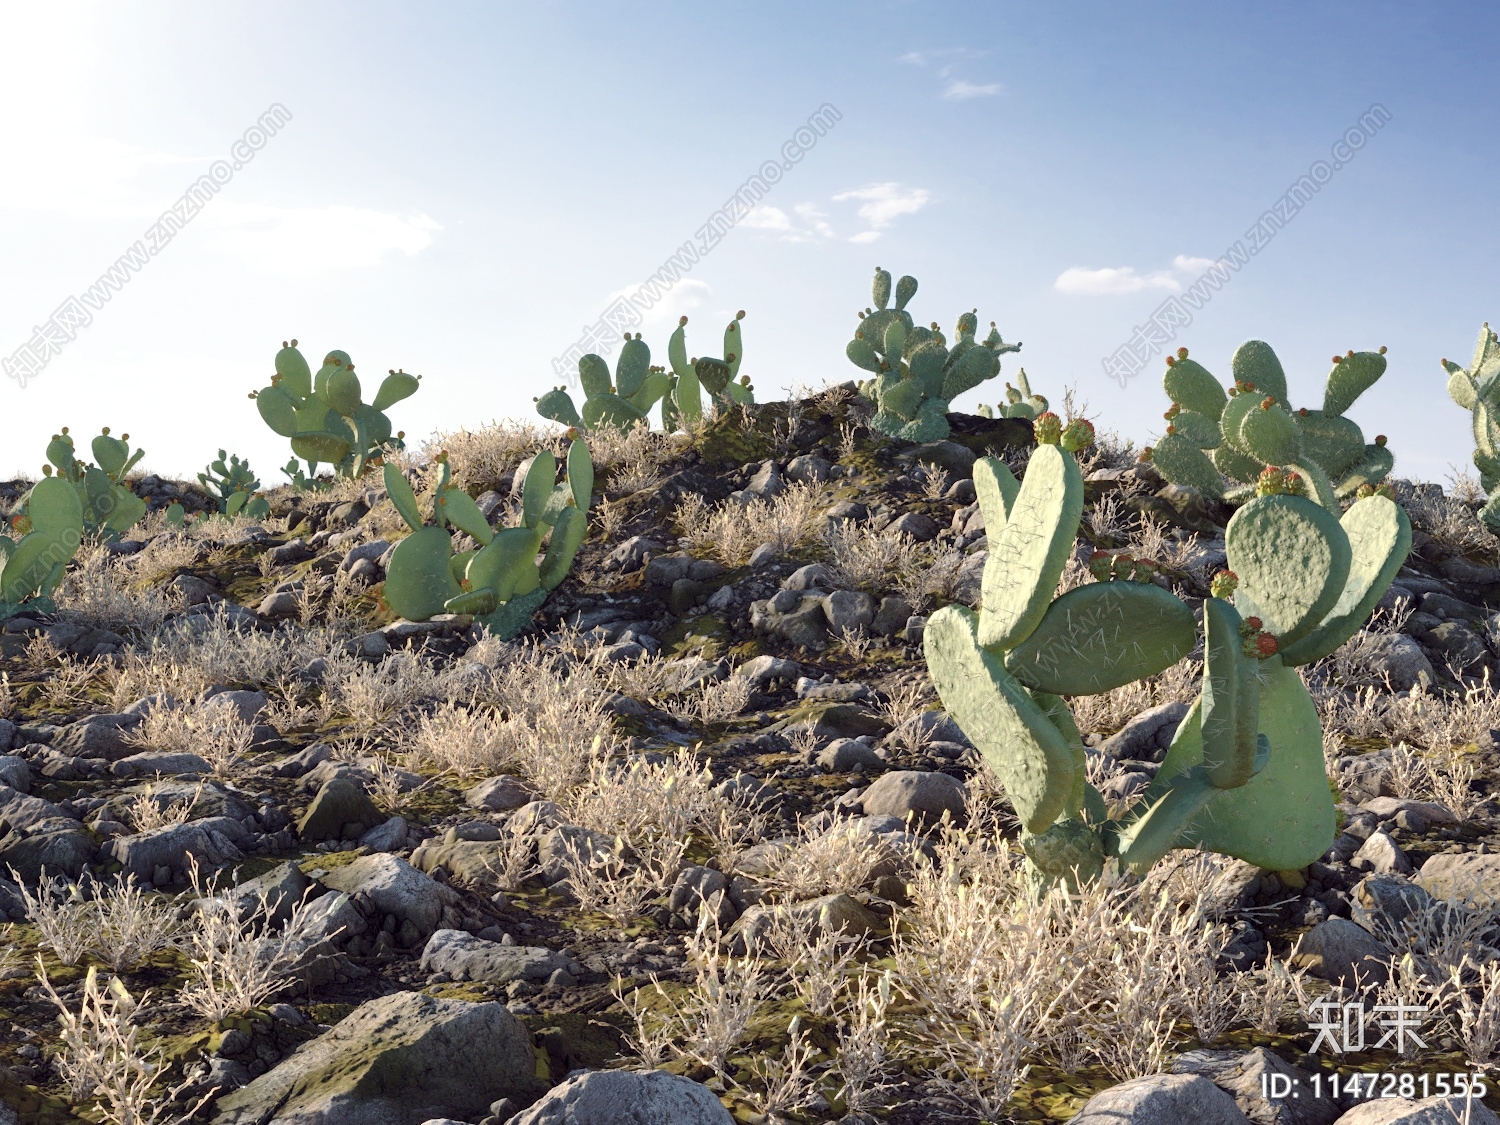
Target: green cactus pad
{"x":1182,"y":462}
{"x":1029,"y":755}
{"x":320,"y":446}
{"x":418,"y":581}
{"x":296,"y":376}
{"x":1189,"y":384}
{"x":593,"y":375}
{"x":1372,"y":468}
{"x":1379,"y":536}
{"x":1199,"y":429}
{"x":567,"y":537}
{"x":632,"y":367}
{"x":1331,"y":440}
{"x":460,"y":510}
{"x":403,"y":499}
{"x":1350,"y":378}
{"x":996,"y":488}
{"x":1269,"y":435}
{"x":1229,"y":741}
{"x":1027,"y":557}
{"x":1160,"y":826}
{"x":396,"y":386}
{"x":1282,"y":818}
{"x":1292,"y":558}
{"x":1100,"y":636}
{"x":581,"y":473}
{"x":537,"y":489}
{"x":514,"y":616}
{"x":1254,"y":362}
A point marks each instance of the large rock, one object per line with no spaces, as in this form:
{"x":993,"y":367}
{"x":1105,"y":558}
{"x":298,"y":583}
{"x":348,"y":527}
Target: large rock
{"x":209,"y":842}
{"x":465,"y":957}
{"x":340,"y":810}
{"x":627,"y":1097}
{"x":98,"y":736}
{"x":1340,"y":951}
{"x":1249,"y":1076}
{"x":925,"y":794}
{"x":1161,"y":1099}
{"x":395,"y":887}
{"x":1468,"y":876}
{"x":1431,"y":1111}
{"x":398,"y":1060}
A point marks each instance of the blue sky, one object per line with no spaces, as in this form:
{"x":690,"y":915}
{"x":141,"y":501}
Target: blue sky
{"x":461,"y":187}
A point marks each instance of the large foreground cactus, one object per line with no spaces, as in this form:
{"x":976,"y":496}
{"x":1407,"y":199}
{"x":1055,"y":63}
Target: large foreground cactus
{"x":324,"y":415}
{"x":1477,"y":390}
{"x":32,"y":567}
{"x":1245,"y":772}
{"x":499,"y":582}
{"x":916,"y":374}
{"x":1241,"y":432}
{"x":637,"y":386}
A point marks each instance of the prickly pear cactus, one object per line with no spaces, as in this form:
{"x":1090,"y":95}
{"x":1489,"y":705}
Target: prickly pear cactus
{"x":233,"y":484}
{"x":1213,"y":434}
{"x":1477,"y":390}
{"x":109,"y":507}
{"x":1245,"y":774}
{"x":32,"y":567}
{"x":916,"y":374}
{"x":325,"y":417}
{"x":500,"y":582}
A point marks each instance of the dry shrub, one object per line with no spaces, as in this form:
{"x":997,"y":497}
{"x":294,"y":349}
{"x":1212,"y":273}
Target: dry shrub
{"x":732,"y":531}
{"x":482,"y":459}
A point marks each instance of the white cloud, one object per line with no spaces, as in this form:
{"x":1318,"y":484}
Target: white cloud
{"x":314,"y":239}
{"x":1183,"y":262}
{"x":959,"y":90}
{"x":766,"y":218}
{"x":1111,"y":280}
{"x":882,"y":203}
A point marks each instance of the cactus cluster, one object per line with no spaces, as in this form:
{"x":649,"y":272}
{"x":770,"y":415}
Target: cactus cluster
{"x":1240,"y":432}
{"x":1245,"y":773}
{"x":324,"y":415}
{"x":110,"y":508}
{"x":233,"y":485}
{"x":637,"y":386}
{"x":52,"y":527}
{"x":500,"y":581}
{"x":916,"y":374}
{"x":1019,"y":402}
{"x":1477,"y":390}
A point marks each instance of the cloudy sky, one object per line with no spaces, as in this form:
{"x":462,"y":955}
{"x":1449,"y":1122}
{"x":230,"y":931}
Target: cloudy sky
{"x":461,"y":188}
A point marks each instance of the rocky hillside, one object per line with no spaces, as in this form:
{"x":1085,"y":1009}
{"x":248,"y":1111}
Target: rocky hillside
{"x":700,"y":843}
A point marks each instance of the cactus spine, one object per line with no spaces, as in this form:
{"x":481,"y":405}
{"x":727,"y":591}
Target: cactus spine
{"x":324,"y":416}
{"x":1241,"y":432}
{"x":916,"y":374}
{"x":1477,"y":390}
{"x":1245,"y":772}
{"x":500,"y":582}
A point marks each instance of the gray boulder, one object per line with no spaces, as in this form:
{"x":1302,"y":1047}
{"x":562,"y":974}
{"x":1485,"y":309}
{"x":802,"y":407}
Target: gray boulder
{"x":398,"y":1060}
{"x":395,"y":887}
{"x":1161,"y":1099}
{"x":922,"y":793}
{"x":627,"y":1097}
{"x":465,"y":957}
{"x":340,"y":810}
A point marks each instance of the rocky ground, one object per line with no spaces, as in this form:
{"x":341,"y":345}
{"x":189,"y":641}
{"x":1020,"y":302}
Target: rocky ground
{"x":397,"y":871}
